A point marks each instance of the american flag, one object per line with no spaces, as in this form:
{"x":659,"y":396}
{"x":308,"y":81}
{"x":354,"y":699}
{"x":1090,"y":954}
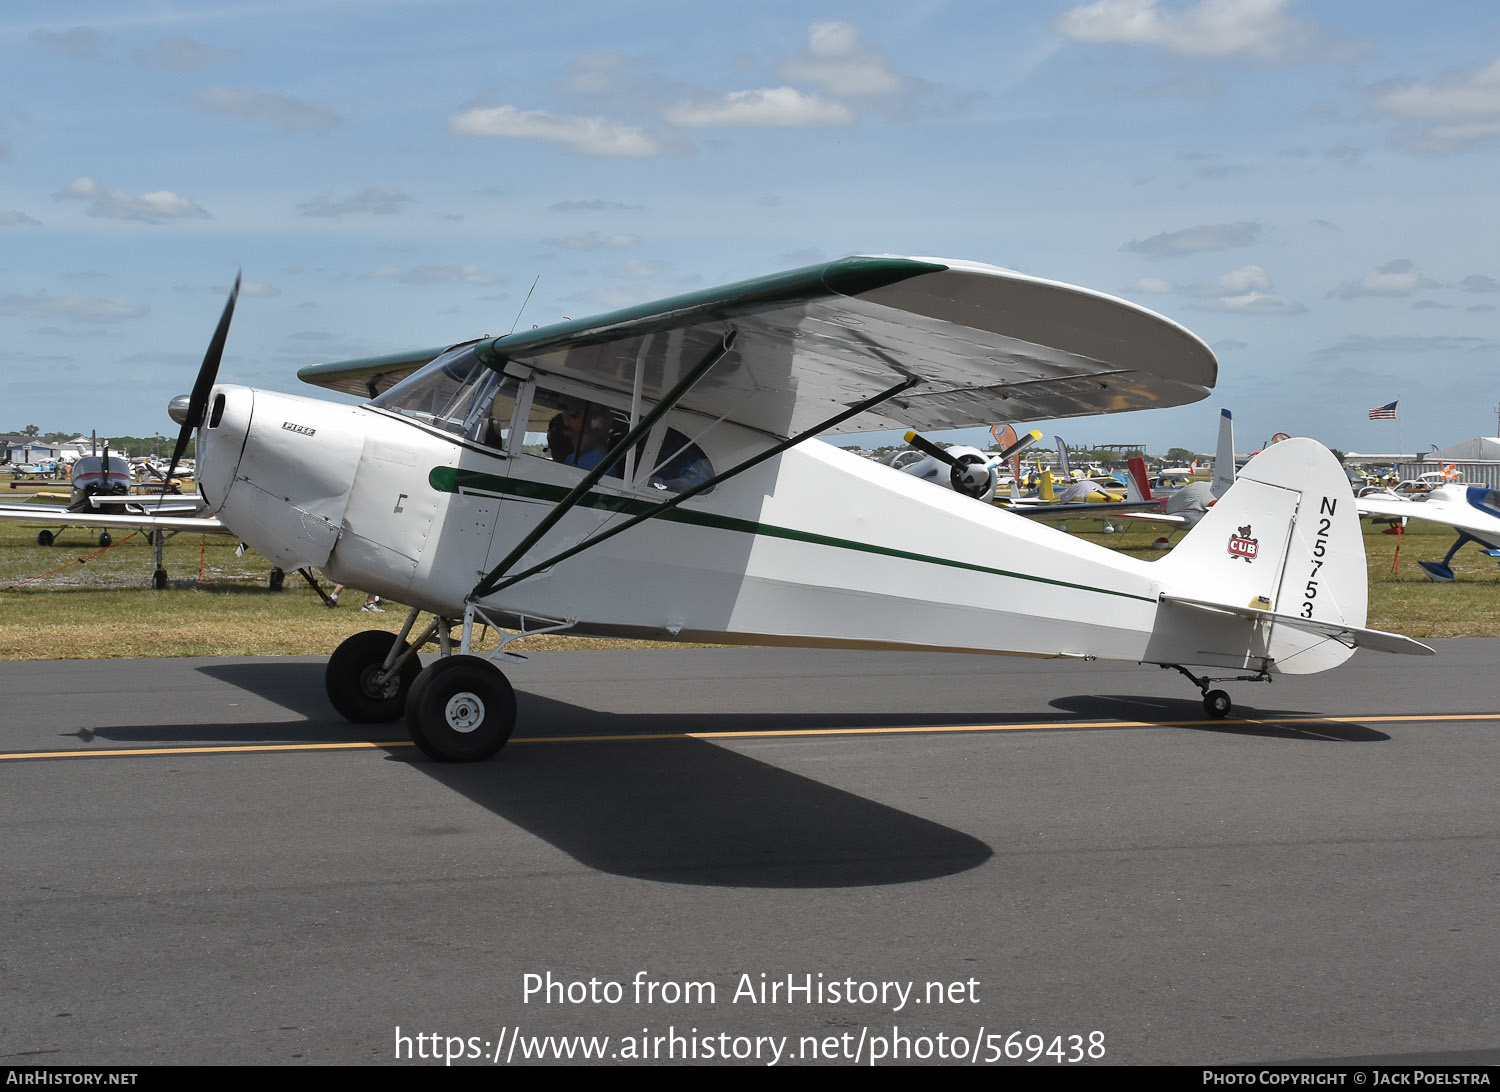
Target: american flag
{"x":1386,"y":412}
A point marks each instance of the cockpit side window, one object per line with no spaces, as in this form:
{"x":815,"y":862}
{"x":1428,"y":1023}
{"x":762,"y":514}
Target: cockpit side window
{"x":579,"y":432}
{"x":457,"y":394}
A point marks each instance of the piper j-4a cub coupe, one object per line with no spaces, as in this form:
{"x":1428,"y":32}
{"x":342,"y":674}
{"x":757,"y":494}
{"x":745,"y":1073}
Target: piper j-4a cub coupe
{"x":678,"y":495}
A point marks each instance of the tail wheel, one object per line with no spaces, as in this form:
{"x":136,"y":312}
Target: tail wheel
{"x":461,"y":709}
{"x":352,"y":679}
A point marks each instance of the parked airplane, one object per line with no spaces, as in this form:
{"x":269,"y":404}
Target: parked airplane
{"x":1190,"y":502}
{"x":100,"y":500}
{"x":679,"y":497}
{"x":1472,"y":510}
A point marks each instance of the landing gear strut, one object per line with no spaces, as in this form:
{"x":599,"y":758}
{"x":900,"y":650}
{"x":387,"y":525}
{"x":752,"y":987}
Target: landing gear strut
{"x":1216,"y":703}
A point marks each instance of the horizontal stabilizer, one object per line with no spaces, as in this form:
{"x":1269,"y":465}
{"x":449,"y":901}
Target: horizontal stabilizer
{"x":1349,"y":636}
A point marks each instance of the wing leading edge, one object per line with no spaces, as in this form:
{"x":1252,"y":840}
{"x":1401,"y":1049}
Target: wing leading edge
{"x":986,"y":343}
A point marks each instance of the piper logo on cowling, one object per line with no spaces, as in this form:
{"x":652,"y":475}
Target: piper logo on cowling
{"x":1242,"y":545}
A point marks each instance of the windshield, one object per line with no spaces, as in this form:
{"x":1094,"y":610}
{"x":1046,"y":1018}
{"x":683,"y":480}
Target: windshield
{"x":457,"y":394}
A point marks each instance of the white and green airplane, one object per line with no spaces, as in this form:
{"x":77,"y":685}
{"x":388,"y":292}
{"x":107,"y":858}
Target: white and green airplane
{"x":680,"y":493}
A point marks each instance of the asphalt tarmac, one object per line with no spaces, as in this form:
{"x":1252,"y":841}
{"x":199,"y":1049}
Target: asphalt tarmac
{"x":779,"y":855}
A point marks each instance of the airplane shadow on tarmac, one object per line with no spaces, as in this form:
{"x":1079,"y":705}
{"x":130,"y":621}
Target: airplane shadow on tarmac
{"x":1245,"y":720}
{"x":672,"y":809}
{"x":677,"y":809}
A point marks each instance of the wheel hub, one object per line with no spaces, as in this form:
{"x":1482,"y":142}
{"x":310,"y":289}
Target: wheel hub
{"x":369,"y":682}
{"x":464,"y":712}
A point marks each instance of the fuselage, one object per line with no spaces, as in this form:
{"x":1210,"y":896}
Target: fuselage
{"x":814,"y":546}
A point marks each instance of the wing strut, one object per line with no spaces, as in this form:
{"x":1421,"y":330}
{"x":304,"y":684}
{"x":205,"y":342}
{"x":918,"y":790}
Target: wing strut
{"x":494,"y":582}
{"x":668,"y":400}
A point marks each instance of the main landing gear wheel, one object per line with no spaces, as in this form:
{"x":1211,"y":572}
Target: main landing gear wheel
{"x":106,"y":539}
{"x":350,"y":679}
{"x":1216,"y":704}
{"x":278,"y":578}
{"x":159,"y":580}
{"x":44,"y":538}
{"x":462,"y":709}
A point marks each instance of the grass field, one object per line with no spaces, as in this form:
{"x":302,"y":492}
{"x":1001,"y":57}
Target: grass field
{"x":72,"y":600}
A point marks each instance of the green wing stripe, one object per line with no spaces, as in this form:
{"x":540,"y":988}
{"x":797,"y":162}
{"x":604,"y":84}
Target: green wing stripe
{"x":450,"y":480}
{"x":846,"y":277}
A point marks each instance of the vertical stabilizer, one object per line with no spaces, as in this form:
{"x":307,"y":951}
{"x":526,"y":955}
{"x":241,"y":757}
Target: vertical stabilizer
{"x":1284,"y":539}
{"x":1137,"y":484}
{"x":1224,"y":455}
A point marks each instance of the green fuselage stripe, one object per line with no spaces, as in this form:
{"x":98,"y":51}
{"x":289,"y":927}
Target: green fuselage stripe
{"x":475,"y":483}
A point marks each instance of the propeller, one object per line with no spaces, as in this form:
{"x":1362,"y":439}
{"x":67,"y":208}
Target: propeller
{"x":207,"y":373}
{"x":970,"y":474}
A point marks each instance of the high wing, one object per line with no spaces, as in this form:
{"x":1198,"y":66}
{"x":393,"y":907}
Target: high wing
{"x":983,"y":342}
{"x":370,"y":376}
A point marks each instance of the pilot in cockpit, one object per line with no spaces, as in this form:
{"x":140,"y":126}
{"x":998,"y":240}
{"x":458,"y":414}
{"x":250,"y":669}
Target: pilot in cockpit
{"x":580,"y":436}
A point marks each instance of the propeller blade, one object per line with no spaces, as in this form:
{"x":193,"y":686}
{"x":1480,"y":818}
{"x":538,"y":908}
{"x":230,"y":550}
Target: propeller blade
{"x":1022,"y":444}
{"x":207,"y":373}
{"x":927,"y":447}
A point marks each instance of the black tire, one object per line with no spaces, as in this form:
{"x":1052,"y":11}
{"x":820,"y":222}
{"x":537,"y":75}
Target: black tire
{"x":349,"y":679}
{"x":45,"y":538}
{"x":462,"y":709}
{"x":159,"y":580}
{"x":278,"y":578}
{"x":106,"y":539}
{"x":1216,"y":704}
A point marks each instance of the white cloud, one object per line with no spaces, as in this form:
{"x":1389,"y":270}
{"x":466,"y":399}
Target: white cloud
{"x":1244,"y":280}
{"x":837,"y":60}
{"x":1398,"y":278}
{"x":155,"y":207}
{"x":292,"y":115}
{"x":1194,"y":240}
{"x":448,"y":274}
{"x":587,"y":135}
{"x":1479,"y":282}
{"x":1210,"y":28}
{"x":1152,"y":286}
{"x":593,"y":240}
{"x":184,"y":55}
{"x":1247,"y":289}
{"x":13,"y":218}
{"x":262,"y":291}
{"x":595,"y":205}
{"x":1262,"y":303}
{"x":1446,"y":115}
{"x":92,"y":309}
{"x":438,"y":274}
{"x":376,"y":200}
{"x":777,"y":106}
{"x":639,"y":269}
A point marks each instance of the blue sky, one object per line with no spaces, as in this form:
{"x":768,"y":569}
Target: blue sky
{"x":1309,"y":186}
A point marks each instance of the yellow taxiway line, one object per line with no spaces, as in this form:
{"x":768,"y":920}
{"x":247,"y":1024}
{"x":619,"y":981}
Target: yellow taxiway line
{"x":768,"y":733}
